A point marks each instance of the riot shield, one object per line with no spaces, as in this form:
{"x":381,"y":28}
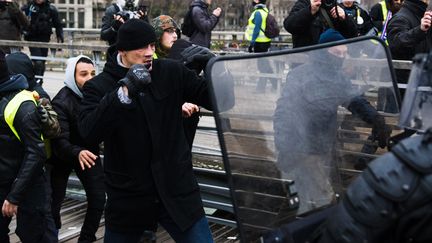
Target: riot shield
{"x":299,"y":124}
{"x":418,"y":97}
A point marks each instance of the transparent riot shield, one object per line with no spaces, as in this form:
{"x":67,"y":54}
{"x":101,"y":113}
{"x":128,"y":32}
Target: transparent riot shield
{"x":297,"y":126}
{"x":418,"y":97}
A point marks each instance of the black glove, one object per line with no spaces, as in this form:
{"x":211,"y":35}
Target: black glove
{"x":380,"y":131}
{"x":115,"y":24}
{"x":251,"y":48}
{"x":137,"y":79}
{"x":196,"y":53}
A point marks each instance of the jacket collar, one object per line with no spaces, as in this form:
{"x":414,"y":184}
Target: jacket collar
{"x":416,"y":6}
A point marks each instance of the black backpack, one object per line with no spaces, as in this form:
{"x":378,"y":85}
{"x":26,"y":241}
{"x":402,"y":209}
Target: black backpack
{"x":272,"y":28}
{"x":188,"y":26}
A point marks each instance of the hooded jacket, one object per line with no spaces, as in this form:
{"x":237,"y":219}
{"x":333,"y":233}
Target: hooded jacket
{"x":204,"y":23}
{"x":66,"y":103}
{"x":147,"y":159}
{"x":21,"y":162}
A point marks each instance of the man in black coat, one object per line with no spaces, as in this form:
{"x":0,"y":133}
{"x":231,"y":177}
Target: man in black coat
{"x":204,"y":22}
{"x":408,"y":34}
{"x":309,"y":18}
{"x":147,"y":163}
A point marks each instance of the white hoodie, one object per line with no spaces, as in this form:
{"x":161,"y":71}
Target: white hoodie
{"x":70,"y":74}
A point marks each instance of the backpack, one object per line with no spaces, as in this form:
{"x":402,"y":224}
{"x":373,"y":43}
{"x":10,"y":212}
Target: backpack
{"x":272,"y":28}
{"x":188,"y":26}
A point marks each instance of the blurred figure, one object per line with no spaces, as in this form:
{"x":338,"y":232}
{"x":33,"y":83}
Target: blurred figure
{"x":12,"y":22}
{"x":309,"y":18}
{"x":381,"y":13}
{"x":306,"y":141}
{"x":408,"y":34}
{"x":259,"y":42}
{"x":360,"y":16}
{"x":72,"y":153}
{"x":117,"y":14}
{"x":43,"y":17}
{"x":204,"y":22}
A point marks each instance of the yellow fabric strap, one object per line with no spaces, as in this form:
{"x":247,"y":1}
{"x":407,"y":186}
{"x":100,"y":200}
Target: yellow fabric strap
{"x":13,"y":106}
{"x":384,"y":10}
{"x":251,"y":26}
{"x":155,"y":56}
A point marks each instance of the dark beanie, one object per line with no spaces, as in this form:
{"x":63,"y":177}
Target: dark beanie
{"x":135,"y":34}
{"x":330,"y":35}
{"x":4,"y":72}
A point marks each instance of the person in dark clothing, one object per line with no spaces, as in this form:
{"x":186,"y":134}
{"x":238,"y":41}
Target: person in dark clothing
{"x":360,"y":16}
{"x":167,"y":30}
{"x":72,"y":153}
{"x":308,"y":19}
{"x":204,"y":22}
{"x":43,"y":17}
{"x":259,"y":42}
{"x":12,"y":22}
{"x":22,"y":185}
{"x":147,"y":163}
{"x":390,"y":201}
{"x":305,"y":142}
{"x":114,"y":17}
{"x":408,"y":34}
{"x":381,"y":13}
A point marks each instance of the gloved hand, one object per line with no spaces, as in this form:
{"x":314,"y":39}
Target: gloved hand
{"x":196,"y":53}
{"x":381,"y":132}
{"x":251,"y":48}
{"x":137,"y":79}
{"x":43,"y":113}
{"x":116,"y":23}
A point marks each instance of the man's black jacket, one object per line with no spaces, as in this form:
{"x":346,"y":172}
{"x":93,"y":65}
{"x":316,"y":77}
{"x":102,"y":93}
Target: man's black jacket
{"x":307,"y":28}
{"x":21,"y":162}
{"x":147,"y":157}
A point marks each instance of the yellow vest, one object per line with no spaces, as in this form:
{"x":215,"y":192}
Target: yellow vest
{"x":12,"y":108}
{"x":251,"y":26}
{"x":155,"y":56}
{"x":384,"y":13}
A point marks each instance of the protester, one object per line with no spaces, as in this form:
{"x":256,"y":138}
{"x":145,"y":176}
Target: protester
{"x":204,"y":22}
{"x":118,"y":13}
{"x":381,"y":13}
{"x":12,"y":22}
{"x":360,"y":16}
{"x":147,"y":163}
{"x":408,"y":34}
{"x":72,"y":153}
{"x":43,"y":17}
{"x":259,"y":42}
{"x":22,"y":185}
{"x":167,"y":32}
{"x":309,"y":18}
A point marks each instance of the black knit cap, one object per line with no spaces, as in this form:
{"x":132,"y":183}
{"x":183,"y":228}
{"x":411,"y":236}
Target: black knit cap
{"x":135,"y":34}
{"x":4,"y":72}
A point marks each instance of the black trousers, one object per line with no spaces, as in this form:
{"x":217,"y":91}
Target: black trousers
{"x":31,"y":216}
{"x":264,"y":67}
{"x":93,"y":182}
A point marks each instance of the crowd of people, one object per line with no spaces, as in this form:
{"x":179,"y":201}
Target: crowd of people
{"x":149,"y":92}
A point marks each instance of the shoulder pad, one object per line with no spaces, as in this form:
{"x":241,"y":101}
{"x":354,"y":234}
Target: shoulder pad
{"x":391,"y":178}
{"x":368,"y":206}
{"x":415,"y":153}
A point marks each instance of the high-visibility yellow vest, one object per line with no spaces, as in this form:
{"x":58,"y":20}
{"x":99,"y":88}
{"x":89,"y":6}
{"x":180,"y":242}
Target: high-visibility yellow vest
{"x":155,"y":56}
{"x":12,"y":108}
{"x":251,"y":26}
